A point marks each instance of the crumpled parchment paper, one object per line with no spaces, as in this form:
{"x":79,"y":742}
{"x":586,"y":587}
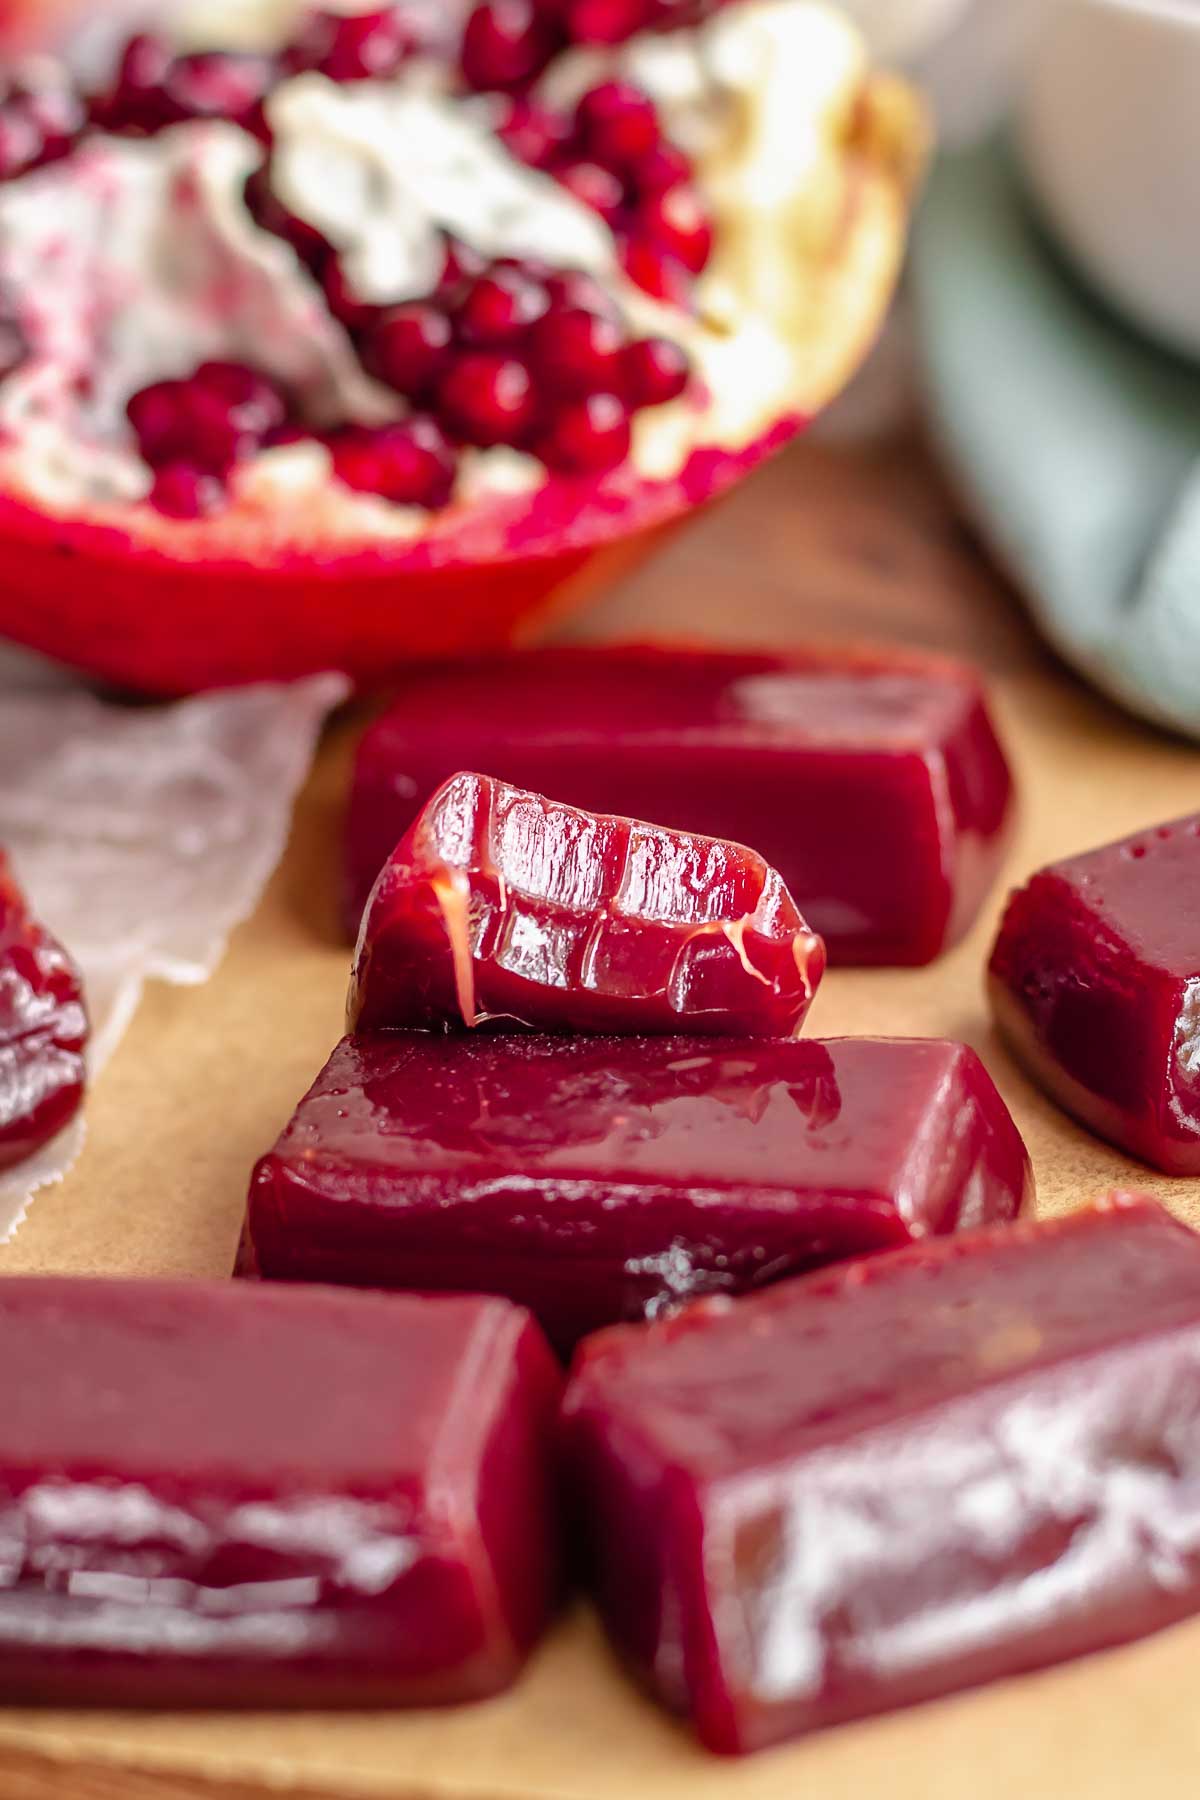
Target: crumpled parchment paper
{"x":143,"y":835}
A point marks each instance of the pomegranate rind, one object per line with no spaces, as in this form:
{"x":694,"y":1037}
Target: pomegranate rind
{"x":169,"y":607}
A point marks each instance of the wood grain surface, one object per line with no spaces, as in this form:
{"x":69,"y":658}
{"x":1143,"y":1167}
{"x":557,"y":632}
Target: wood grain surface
{"x":824,"y":542}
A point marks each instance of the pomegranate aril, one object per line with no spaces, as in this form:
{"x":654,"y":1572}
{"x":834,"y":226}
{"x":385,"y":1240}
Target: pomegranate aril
{"x":222,"y":413}
{"x":605,"y":21}
{"x":578,"y":352}
{"x":409,"y":346}
{"x":500,"y":307}
{"x":352,"y":47}
{"x":185,"y":492}
{"x":588,"y":437}
{"x":654,"y":370}
{"x":487,"y":398}
{"x":505,"y":44}
{"x":254,"y":404}
{"x":618,"y":124}
{"x":677,"y":222}
{"x":596,"y":187}
{"x":410,"y":464}
{"x":156,"y":414}
{"x":657,"y":272}
{"x":664,"y":167}
{"x":533,"y":134}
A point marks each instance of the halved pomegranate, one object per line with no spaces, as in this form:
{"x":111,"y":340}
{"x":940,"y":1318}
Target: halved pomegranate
{"x":355,"y":337}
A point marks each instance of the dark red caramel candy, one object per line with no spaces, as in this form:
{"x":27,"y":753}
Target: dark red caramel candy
{"x":901,"y":1477}
{"x":1095,"y":982}
{"x":872,"y":781}
{"x":219,"y":1495}
{"x":502,"y":908}
{"x":598,"y":1179}
{"x":43,"y":1030}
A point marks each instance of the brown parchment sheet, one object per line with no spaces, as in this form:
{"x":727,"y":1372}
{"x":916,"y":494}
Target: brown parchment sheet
{"x":824,"y":542}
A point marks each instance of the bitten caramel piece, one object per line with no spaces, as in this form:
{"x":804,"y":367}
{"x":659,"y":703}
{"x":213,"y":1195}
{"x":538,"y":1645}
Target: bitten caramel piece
{"x":900,"y":1477}
{"x":505,"y":909}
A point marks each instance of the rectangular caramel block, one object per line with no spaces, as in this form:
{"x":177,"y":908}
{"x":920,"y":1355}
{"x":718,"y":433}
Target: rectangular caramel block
{"x":900,"y":1477}
{"x":230,"y":1495}
{"x":1095,"y":982}
{"x":871,"y":780}
{"x":598,"y":1179}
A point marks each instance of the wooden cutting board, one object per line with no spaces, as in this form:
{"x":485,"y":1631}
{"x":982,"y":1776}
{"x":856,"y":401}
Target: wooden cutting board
{"x":822,"y":542}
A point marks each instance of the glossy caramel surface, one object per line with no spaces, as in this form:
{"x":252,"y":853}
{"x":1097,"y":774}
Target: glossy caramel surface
{"x":209,"y":1495}
{"x":43,"y":1030}
{"x":505,"y":909}
{"x":598,"y":1179}
{"x":1095,"y":980}
{"x":871,"y":779}
{"x":908,"y":1475}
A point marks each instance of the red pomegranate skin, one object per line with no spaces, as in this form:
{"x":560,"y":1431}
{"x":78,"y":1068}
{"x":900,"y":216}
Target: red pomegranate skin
{"x":250,"y":1490}
{"x":873,"y":781}
{"x":603,"y":1179}
{"x":1095,"y":982}
{"x":504,"y":909}
{"x":43,"y":1030}
{"x":224,"y":612}
{"x":898,"y":1478}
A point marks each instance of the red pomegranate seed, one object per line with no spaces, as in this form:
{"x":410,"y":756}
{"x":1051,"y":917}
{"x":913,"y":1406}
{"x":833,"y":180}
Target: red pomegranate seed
{"x":352,"y":47}
{"x":255,"y":405}
{"x":213,"y":431}
{"x":500,"y":307}
{"x":345,"y":305}
{"x":657,"y":272}
{"x":210,"y":421}
{"x":588,"y":436}
{"x":618,"y":124}
{"x":410,"y":464}
{"x":605,"y":21}
{"x":533,"y":134}
{"x":409,"y":346}
{"x":505,"y":44}
{"x":596,"y":186}
{"x":664,"y":167}
{"x":677,"y":222}
{"x":578,"y":352}
{"x":185,"y":492}
{"x":156,"y":414}
{"x":488,"y":398}
{"x":654,"y":370}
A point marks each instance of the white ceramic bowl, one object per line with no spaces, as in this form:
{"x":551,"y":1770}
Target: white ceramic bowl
{"x":1109,"y":129}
